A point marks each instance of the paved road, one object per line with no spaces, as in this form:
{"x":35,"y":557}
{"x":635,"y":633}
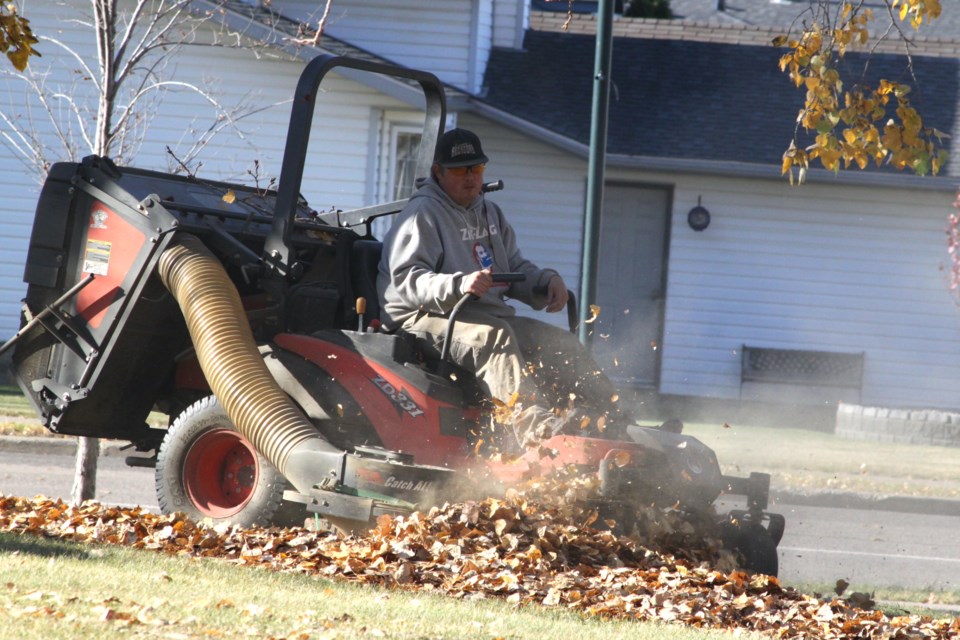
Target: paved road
{"x":870,"y":547}
{"x":866,"y":547}
{"x":29,"y":474}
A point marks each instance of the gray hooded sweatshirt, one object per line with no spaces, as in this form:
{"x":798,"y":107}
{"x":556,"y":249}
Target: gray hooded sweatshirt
{"x":434,"y":242}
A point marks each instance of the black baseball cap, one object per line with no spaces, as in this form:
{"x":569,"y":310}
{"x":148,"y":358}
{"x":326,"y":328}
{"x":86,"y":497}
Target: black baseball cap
{"x":459,"y":148}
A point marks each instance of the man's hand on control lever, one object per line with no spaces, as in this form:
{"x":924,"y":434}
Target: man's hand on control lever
{"x":556,"y":294}
{"x":477,"y":283}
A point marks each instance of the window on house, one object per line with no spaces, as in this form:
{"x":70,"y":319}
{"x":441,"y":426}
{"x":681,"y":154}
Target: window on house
{"x":396,"y":162}
{"x":404,"y":147}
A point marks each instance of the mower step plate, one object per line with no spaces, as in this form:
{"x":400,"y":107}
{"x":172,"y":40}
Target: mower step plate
{"x":333,"y":504}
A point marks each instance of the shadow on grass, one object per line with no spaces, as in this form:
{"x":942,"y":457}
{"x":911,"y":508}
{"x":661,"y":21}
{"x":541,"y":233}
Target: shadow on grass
{"x":41,"y":547}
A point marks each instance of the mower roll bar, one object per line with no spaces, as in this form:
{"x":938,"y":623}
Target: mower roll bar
{"x":277,"y":253}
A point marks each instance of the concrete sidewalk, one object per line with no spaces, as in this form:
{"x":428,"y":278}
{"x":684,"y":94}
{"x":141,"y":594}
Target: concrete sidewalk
{"x":67,"y":446}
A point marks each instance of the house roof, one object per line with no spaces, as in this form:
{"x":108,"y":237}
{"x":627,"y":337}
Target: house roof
{"x":783,"y":13}
{"x":750,"y":22}
{"x":683,"y":99}
{"x":713,"y":98}
{"x":775,"y":14}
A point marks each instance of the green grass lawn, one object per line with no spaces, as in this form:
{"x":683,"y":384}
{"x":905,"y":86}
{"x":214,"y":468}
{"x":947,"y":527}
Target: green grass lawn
{"x":18,"y":418}
{"x":53,"y":589}
{"x":803,"y":460}
{"x":13,"y":403}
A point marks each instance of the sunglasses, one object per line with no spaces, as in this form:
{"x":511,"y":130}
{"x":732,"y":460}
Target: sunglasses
{"x":462,"y":171}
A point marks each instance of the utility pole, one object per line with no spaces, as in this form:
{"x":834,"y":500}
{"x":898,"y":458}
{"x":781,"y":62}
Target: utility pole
{"x":603,"y":61}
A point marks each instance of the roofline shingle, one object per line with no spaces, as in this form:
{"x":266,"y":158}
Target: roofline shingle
{"x":700,"y":31}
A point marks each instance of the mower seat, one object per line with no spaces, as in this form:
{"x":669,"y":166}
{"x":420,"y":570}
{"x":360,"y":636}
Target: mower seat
{"x":364,"y":266}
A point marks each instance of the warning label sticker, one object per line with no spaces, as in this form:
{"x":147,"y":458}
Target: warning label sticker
{"x":96,"y":259}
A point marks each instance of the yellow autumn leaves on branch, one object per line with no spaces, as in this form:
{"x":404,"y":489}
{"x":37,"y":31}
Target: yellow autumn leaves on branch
{"x":917,"y":10}
{"x":860,"y":124}
{"x":16,"y":38}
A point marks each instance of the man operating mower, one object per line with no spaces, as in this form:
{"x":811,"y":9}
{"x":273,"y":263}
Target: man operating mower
{"x":448,"y":241}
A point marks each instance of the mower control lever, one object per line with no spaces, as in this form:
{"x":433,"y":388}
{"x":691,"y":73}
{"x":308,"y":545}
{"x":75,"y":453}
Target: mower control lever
{"x":572,"y":317}
{"x":508,"y":277}
{"x":452,"y":318}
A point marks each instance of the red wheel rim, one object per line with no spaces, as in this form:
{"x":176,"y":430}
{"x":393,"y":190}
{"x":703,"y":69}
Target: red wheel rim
{"x":220,"y":472}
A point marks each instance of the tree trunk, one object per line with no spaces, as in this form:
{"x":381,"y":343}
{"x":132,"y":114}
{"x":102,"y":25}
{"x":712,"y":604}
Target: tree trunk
{"x":85,"y":473}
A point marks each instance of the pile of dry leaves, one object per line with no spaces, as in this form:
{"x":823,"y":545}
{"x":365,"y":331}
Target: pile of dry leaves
{"x":513,"y":548}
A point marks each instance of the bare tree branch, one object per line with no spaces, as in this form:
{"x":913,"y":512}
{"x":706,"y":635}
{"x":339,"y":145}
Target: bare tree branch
{"x":154,"y":35}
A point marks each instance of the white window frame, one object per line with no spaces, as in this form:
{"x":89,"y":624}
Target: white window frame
{"x":393,"y":124}
{"x":393,"y":180}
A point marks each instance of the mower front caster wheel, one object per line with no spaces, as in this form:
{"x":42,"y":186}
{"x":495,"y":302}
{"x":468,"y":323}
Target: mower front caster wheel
{"x":753,"y":543}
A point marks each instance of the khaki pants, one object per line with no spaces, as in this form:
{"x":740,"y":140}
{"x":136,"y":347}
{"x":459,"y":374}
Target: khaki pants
{"x":545,"y":365}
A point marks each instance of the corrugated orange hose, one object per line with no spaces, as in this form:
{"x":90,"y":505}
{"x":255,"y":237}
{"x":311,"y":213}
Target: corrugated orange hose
{"x":229,"y":358}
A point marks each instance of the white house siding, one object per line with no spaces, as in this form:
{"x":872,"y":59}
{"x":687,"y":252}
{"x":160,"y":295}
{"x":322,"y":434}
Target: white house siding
{"x":19,"y":182}
{"x":438,"y":36}
{"x":820,"y":267}
{"x":16,"y":217}
{"x":510,"y":20}
{"x":339,"y":168}
{"x":483,"y":41}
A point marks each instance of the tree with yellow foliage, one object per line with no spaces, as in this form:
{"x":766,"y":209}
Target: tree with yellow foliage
{"x":856,"y":124}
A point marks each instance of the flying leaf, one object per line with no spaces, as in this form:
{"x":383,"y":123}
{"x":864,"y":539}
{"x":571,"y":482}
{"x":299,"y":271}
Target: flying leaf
{"x":594,"y":314}
{"x":622,"y":458}
{"x":840,"y":587}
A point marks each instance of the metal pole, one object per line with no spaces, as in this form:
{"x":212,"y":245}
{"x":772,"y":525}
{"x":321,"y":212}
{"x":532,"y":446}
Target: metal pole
{"x":595,"y":170}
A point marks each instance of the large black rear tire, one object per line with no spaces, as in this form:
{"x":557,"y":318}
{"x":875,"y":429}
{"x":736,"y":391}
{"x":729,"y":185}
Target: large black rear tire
{"x":208,"y":470}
